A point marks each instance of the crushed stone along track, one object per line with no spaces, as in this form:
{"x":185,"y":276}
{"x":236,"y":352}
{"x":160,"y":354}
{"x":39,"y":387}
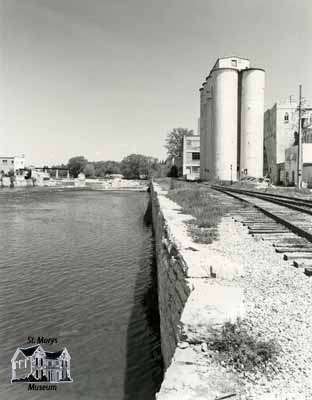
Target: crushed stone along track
{"x":285,"y":221}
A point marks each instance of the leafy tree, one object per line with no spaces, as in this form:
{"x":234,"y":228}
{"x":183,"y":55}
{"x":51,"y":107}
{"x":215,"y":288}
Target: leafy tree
{"x":103,"y":168}
{"x":155,"y":167}
{"x":89,"y":170}
{"x":76,"y":165}
{"x":134,"y":166}
{"x":173,"y":173}
{"x":174,"y":141}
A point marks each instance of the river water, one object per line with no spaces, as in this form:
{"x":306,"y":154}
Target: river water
{"x":78,"y":266}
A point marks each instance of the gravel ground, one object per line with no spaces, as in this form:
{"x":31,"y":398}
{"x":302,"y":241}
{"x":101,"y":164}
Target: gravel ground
{"x":278,"y":305}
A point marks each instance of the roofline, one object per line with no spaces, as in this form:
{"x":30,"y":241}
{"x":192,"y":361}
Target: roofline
{"x":233,"y":56}
{"x":224,"y":68}
{"x":222,"y":58}
{"x":25,"y":348}
{"x":29,"y":347}
{"x":283,"y":105}
{"x":16,"y":352}
{"x":252,"y":69}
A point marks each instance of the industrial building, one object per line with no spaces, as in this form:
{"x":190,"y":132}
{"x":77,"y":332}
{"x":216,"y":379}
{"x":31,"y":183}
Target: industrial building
{"x":191,"y":157}
{"x":231,"y":121}
{"x":291,"y":165}
{"x":280,"y":129}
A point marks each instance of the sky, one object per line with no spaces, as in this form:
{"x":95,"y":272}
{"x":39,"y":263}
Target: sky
{"x":107,"y":78}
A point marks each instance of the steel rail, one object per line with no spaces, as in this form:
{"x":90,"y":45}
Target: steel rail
{"x":270,"y":198}
{"x":304,"y":202}
{"x":294,"y":228}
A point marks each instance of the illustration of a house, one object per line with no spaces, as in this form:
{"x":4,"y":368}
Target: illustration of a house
{"x":34,"y":364}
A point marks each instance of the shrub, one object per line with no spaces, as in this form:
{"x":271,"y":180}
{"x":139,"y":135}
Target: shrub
{"x":240,"y":350}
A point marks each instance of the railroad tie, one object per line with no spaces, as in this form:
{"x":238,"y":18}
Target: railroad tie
{"x":302,"y":264}
{"x":295,"y":256}
{"x":288,"y":249}
{"x":308,"y":271}
{"x":281,"y":236}
{"x":290,"y":245}
{"x":267,"y":231}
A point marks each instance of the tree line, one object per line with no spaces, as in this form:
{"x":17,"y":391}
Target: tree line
{"x":133,"y":166}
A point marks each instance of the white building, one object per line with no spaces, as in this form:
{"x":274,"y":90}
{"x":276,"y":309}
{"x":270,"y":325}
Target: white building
{"x":14,"y":163}
{"x":191,"y":157}
{"x":291,"y":165}
{"x":35,"y":364}
{"x":280,"y":129}
{"x":231,"y":121}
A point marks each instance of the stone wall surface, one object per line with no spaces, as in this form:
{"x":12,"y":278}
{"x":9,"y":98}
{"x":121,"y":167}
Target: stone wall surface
{"x":196,"y":296}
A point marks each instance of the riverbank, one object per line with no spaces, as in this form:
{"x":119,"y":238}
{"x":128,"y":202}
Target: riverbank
{"x":67,"y":183}
{"x":233,"y":276}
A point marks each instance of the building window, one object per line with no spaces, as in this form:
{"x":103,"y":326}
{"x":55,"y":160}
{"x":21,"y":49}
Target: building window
{"x":5,"y":161}
{"x":304,"y":122}
{"x":41,"y":362}
{"x":234,"y":63}
{"x":286,"y":118}
{"x":195,"y":156}
{"x":12,"y":162}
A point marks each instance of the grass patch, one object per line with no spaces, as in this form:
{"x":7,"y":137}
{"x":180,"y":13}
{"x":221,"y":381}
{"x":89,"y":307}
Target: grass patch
{"x":242,"y":351}
{"x":201,"y":203}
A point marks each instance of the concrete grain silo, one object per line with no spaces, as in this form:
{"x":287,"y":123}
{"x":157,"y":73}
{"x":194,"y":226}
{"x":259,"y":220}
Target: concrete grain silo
{"x":224,"y":121}
{"x":231,"y":126}
{"x":251,"y":124}
{"x":203,"y":135}
{"x":209,"y":133}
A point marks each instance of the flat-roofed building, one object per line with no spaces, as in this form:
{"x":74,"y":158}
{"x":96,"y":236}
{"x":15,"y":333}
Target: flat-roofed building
{"x":11,"y":163}
{"x":280,"y":129}
{"x":291,"y":165}
{"x":191,"y":157}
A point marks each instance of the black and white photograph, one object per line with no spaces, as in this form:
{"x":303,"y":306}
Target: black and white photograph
{"x":155,"y":200}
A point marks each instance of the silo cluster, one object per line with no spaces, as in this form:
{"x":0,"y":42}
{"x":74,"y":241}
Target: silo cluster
{"x":231,"y":121}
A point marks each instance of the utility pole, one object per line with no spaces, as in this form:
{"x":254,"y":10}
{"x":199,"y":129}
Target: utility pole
{"x":299,"y":169}
{"x":231,"y":174}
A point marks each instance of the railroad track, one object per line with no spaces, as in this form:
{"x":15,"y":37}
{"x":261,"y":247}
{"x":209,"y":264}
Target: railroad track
{"x":283,"y":220}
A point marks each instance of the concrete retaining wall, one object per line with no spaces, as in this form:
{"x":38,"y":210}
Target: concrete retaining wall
{"x":173,"y":285}
{"x":196,"y":297}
